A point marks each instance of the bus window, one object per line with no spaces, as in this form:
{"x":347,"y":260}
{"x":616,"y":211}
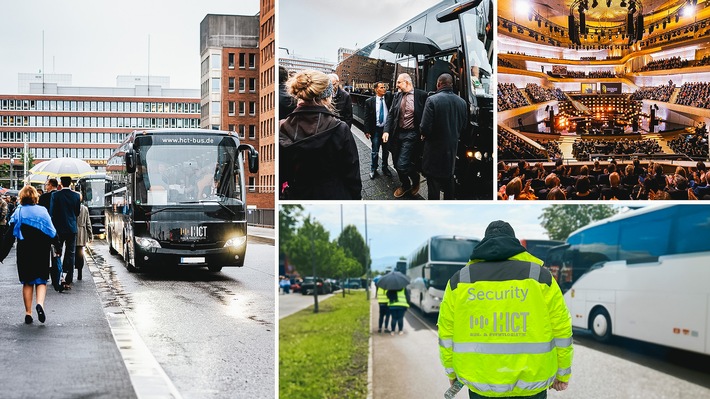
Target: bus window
{"x":696,"y":221}
{"x":644,"y":240}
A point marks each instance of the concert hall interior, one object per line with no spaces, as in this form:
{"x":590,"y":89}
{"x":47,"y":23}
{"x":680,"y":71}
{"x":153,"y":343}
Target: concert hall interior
{"x":586,"y":80}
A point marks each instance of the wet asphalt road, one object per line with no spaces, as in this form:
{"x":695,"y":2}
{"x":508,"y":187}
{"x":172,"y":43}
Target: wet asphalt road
{"x":213,"y":334}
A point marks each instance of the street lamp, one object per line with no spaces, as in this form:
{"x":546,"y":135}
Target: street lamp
{"x":12,"y":161}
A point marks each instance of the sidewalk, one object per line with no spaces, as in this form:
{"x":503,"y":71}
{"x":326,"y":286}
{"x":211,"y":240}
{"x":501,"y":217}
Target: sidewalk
{"x":72,"y":355}
{"x":381,"y":187}
{"x":268,"y":234}
{"x":405,"y":366}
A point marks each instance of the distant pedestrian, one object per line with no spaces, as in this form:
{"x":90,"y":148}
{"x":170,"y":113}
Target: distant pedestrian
{"x":285,"y":285}
{"x":318,"y":154}
{"x":383,"y":301}
{"x":444,"y":119}
{"x":341,"y":101}
{"x":504,"y":328}
{"x":64,"y":208}
{"x":4,"y":216}
{"x":84,"y":235}
{"x":398,"y":305}
{"x":35,"y":233}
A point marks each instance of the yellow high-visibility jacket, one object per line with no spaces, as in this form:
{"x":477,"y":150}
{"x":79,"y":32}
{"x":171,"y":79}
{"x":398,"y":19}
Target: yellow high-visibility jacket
{"x":382,"y":296}
{"x":504,"y":328}
{"x":401,"y":299}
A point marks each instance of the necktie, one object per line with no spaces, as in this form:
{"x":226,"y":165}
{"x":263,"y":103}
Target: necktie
{"x":382,"y":110}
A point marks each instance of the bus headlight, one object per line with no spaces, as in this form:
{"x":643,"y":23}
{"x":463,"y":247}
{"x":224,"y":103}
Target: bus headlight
{"x":147,"y":242}
{"x":236,"y":242}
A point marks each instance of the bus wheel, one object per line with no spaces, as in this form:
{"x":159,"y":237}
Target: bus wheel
{"x":214,"y":268}
{"x":600,"y":325}
{"x":127,"y":260}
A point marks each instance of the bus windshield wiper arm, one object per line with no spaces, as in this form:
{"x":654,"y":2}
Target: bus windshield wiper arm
{"x":211,"y":201}
{"x":154,"y":211}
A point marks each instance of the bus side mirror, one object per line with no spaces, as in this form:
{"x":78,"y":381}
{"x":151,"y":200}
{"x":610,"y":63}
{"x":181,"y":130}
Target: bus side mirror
{"x":253,"y":157}
{"x":130,"y":161}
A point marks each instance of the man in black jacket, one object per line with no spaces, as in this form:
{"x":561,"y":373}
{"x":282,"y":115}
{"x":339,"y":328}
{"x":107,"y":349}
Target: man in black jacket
{"x":376,"y":110}
{"x":403,"y":128}
{"x":286,"y":103}
{"x":56,"y":269}
{"x":64,"y":207}
{"x":445,"y":118}
{"x":342,"y":101}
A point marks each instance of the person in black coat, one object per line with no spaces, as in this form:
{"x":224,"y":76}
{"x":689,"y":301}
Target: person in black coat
{"x":403,"y":129}
{"x":56,"y":270}
{"x":318,"y":157}
{"x":376,"y":110}
{"x":445,"y":117}
{"x":64,"y":208}
{"x":341,"y":101}
{"x":35,"y":234}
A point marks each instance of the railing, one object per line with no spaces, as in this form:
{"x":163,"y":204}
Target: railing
{"x":261,"y":217}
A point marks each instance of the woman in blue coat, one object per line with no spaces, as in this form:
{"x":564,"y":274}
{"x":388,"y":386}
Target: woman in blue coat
{"x":35,"y":234}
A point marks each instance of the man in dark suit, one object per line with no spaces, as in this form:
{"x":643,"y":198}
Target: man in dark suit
{"x":376,"y":111}
{"x":56,"y":269}
{"x":615,"y":191}
{"x":342,"y":101}
{"x":64,"y":207}
{"x":445,"y":117}
{"x":403,"y":126}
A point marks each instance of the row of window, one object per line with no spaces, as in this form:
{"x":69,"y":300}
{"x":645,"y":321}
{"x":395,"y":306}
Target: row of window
{"x":266,"y":183}
{"x":50,"y":153}
{"x":61,"y":137}
{"x":242,"y":108}
{"x":242,"y":85}
{"x":242,"y":60}
{"x":94,"y":121}
{"x":99,"y":106}
{"x":242,"y":131}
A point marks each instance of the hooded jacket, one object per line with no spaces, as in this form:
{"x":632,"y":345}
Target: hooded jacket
{"x":318,"y":156}
{"x":504,"y":328}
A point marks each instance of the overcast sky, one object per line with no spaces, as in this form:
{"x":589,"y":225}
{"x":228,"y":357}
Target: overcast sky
{"x":96,"y":41}
{"x":397,"y":228}
{"x":317,"y":28}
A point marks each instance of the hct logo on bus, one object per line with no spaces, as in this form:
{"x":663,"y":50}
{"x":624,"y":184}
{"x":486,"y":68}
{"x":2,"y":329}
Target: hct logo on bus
{"x":193,"y":232}
{"x":188,"y":140}
{"x":501,"y":323}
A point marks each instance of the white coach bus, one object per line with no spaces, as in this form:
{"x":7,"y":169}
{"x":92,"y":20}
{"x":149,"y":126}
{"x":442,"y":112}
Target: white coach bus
{"x":651,"y":280}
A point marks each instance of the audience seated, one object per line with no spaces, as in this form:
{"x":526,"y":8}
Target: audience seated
{"x":510,"y":97}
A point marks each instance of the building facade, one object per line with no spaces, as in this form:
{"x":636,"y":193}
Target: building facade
{"x":84,"y":122}
{"x":230,"y":85}
{"x":267,"y":101}
{"x":300,"y":64}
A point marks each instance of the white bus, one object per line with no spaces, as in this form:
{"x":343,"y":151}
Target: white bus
{"x":431,"y":266}
{"x":654,"y":285}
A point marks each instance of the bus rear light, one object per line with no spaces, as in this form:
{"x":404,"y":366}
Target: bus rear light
{"x":147,"y":242}
{"x":236,"y":242}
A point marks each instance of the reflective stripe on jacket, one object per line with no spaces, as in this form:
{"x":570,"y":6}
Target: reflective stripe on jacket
{"x":504,"y":328}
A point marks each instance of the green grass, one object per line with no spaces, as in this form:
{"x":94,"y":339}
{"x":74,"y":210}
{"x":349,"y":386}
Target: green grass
{"x":324,"y":355}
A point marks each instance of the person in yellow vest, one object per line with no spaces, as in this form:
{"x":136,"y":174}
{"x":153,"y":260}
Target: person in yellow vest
{"x":504,"y":328}
{"x":398,"y":306}
{"x":384,"y":309}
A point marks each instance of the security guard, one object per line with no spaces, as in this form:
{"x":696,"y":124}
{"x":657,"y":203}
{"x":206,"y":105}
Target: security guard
{"x":384,"y":309}
{"x":504,"y":328}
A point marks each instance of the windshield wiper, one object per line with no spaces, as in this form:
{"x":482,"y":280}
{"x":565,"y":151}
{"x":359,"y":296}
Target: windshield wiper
{"x":154,"y":211}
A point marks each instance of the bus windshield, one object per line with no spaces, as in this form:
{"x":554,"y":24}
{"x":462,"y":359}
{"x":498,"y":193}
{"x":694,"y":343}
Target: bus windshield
{"x":95,"y":190}
{"x":452,"y":250}
{"x":187,"y":169}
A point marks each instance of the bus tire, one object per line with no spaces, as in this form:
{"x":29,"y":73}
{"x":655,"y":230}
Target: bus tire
{"x":214,"y":268}
{"x":600,"y":324}
{"x":127,"y":260}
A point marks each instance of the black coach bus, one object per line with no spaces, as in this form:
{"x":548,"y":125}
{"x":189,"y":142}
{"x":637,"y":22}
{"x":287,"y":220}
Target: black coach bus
{"x":177,"y":198}
{"x":463,"y":31}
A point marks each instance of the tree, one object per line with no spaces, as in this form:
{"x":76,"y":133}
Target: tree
{"x":311,"y":245}
{"x":354,"y":246}
{"x":289,"y":217}
{"x":561,"y":220}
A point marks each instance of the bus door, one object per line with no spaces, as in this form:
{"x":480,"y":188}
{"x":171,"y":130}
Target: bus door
{"x":432,"y":67}
{"x":558,"y":263}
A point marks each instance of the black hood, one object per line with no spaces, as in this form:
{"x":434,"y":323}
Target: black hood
{"x":498,"y":244}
